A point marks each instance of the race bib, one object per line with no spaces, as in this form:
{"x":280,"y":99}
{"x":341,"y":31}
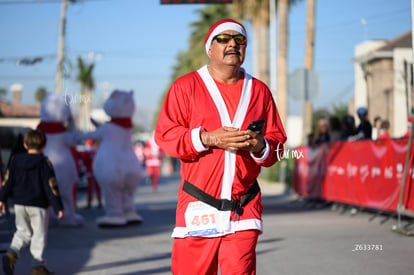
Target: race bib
{"x":200,"y":219}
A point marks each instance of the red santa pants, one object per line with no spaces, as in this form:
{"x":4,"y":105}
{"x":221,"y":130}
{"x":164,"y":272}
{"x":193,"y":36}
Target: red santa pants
{"x":234,"y":253}
{"x":93,"y":184}
{"x":153,"y":173}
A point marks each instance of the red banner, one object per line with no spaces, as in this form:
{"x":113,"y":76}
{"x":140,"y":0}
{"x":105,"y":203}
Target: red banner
{"x":362,"y":173}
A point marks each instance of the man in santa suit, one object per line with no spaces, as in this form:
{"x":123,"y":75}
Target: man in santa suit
{"x":204,"y":122}
{"x":153,"y":161}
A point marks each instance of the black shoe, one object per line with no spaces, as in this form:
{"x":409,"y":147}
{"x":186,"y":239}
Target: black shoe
{"x":9,"y":260}
{"x":41,"y":270}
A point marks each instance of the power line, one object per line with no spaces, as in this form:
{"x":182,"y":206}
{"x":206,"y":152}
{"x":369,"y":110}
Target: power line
{"x":23,"y":2}
{"x":26,"y":60}
{"x":349,"y":23}
{"x":97,"y":76}
{"x":12,"y":58}
{"x":380,"y":16}
{"x":342,"y":92}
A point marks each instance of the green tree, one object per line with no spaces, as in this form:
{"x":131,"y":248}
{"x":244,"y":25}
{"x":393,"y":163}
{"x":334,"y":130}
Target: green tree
{"x":40,"y":94}
{"x":340,"y":110}
{"x":87,"y":84}
{"x":85,"y":76}
{"x":195,"y":56}
{"x":257,"y":11}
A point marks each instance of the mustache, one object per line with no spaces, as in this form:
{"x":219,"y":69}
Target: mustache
{"x":232,"y":52}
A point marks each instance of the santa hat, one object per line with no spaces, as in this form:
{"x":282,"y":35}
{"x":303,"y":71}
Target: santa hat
{"x":220,"y":26}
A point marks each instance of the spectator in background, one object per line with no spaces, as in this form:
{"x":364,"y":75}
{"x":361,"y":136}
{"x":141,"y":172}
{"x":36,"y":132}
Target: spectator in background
{"x":79,"y":163}
{"x":364,"y":129}
{"x":311,"y":139}
{"x":1,"y":166}
{"x":153,"y":161}
{"x":409,"y":123}
{"x":383,"y":133}
{"x":335,"y":129}
{"x":139,"y":151}
{"x":87,"y":157}
{"x":376,"y":128}
{"x":18,"y":147}
{"x":348,"y":127}
{"x":31,"y":181}
{"x":322,"y":132}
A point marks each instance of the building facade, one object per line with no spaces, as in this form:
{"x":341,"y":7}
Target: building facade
{"x":383,"y":80}
{"x":16,"y":109}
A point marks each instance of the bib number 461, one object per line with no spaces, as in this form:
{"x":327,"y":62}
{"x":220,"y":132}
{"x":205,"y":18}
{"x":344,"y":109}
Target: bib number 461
{"x":203,"y":220}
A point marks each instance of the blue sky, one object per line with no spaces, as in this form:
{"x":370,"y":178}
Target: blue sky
{"x":139,"y":40}
{"x":338,"y":29}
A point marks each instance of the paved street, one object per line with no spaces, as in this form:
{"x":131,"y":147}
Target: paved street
{"x":297,"y":240}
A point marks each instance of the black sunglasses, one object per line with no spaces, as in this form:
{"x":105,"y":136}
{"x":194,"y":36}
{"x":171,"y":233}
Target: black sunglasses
{"x":225,"y":38}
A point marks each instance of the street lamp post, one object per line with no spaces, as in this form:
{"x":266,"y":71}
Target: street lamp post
{"x":61,"y":48}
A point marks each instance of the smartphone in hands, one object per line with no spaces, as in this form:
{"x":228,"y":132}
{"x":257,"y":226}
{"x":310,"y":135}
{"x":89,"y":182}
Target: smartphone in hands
{"x":257,"y":126}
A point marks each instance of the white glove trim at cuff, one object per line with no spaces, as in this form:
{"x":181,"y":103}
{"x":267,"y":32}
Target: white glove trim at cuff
{"x":265,"y":153}
{"x":196,"y":139}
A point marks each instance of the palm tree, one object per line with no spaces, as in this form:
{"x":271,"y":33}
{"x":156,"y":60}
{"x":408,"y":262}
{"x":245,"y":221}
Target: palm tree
{"x":309,"y":54}
{"x":257,"y":11}
{"x":282,"y":66}
{"x":195,"y":56}
{"x":87,"y":85}
{"x":40,"y":94}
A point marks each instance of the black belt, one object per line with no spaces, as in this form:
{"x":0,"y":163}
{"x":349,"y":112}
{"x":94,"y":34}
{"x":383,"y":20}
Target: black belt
{"x":222,"y":204}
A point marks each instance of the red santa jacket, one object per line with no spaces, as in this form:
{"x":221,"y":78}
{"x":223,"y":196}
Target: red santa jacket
{"x":194,"y":103}
{"x":152,"y":153}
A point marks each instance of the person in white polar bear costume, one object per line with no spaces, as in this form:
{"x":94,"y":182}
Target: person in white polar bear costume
{"x":116,"y":167}
{"x":56,"y":122}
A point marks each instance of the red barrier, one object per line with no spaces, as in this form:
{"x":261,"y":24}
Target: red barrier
{"x":362,"y":173}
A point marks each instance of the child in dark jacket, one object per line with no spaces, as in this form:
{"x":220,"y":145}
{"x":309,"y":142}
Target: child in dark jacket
{"x":31,"y":181}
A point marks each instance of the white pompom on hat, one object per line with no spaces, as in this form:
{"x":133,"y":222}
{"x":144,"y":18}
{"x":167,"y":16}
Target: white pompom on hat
{"x":220,"y":26}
